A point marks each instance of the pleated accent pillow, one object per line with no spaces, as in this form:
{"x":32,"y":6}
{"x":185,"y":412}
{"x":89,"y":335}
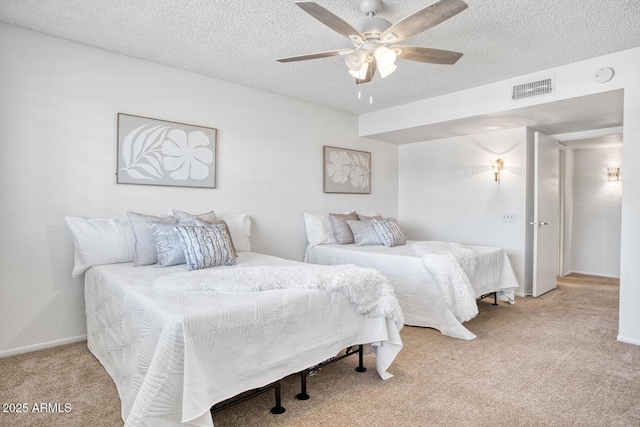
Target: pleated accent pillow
{"x":202,"y":223}
{"x":389,"y":231}
{"x":207,"y":246}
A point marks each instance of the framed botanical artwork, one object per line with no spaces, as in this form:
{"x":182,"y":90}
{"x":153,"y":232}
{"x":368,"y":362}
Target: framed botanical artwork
{"x":158,"y":152}
{"x":346,"y":171}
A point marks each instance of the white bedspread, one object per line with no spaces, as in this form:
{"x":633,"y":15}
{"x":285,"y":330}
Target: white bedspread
{"x":172,"y":355}
{"x":420,"y":296}
{"x":451,"y":265}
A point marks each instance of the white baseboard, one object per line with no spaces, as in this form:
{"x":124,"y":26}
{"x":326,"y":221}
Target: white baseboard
{"x":41,"y":346}
{"x":590,"y":273}
{"x":628,"y":340}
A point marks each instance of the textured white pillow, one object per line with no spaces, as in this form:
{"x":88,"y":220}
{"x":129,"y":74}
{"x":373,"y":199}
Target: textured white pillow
{"x":99,"y":242}
{"x":319,"y":229}
{"x":240,"y":229}
{"x":206,"y":246}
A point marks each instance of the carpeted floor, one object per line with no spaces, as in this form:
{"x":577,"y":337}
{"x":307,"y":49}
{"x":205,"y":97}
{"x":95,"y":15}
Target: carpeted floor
{"x":547,"y":361}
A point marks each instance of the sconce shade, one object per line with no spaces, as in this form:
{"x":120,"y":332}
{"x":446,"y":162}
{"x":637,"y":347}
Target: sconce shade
{"x":496,"y":166}
{"x":614,"y":173}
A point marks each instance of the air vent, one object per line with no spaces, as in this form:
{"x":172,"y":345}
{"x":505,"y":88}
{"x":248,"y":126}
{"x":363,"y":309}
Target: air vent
{"x":527,"y":90}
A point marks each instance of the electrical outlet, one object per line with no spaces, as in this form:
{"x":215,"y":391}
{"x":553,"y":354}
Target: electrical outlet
{"x":508,"y":217}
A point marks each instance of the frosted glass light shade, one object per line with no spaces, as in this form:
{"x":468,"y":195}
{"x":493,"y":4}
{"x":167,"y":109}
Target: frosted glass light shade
{"x":384,"y":72}
{"x":361,"y":74}
{"x":355,"y":60}
{"x":385,"y":57}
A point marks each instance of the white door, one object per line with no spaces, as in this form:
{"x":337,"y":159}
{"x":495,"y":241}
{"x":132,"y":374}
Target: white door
{"x":545,"y":217}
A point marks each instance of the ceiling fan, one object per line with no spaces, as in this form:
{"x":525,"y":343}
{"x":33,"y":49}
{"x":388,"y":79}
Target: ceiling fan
{"x":374,"y":38}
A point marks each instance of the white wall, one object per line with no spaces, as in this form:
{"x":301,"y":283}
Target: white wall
{"x":447,"y":192}
{"x":572,"y":80}
{"x":58,"y":108}
{"x":597,"y":206}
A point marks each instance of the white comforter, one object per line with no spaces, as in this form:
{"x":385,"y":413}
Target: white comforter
{"x":420,"y":295}
{"x":172,"y":355}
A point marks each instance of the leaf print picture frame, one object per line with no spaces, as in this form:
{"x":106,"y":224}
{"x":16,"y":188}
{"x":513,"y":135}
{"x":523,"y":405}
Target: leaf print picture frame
{"x":160,"y":152}
{"x":346,"y":171}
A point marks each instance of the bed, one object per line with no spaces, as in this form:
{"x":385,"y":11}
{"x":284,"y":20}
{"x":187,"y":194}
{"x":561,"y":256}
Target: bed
{"x":175,"y":345}
{"x":421,"y":297}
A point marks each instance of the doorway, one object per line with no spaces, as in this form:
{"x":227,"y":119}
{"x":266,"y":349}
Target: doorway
{"x":590,"y":203}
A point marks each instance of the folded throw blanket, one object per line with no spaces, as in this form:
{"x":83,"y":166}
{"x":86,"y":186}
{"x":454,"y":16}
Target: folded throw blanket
{"x":368,"y":290}
{"x":451,"y":265}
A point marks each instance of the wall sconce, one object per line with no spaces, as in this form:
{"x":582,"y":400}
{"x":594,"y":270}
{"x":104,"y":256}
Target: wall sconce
{"x":614,"y":173}
{"x":496,"y":166}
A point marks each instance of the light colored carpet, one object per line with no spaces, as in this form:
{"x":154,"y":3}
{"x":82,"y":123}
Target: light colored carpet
{"x":547,"y":361}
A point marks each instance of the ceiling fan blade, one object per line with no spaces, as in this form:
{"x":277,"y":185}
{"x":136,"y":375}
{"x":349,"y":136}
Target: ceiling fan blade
{"x":314,"y":55}
{"x":329,"y":19}
{"x":426,"y":54}
{"x":422,"y":20}
{"x":370,"y":72}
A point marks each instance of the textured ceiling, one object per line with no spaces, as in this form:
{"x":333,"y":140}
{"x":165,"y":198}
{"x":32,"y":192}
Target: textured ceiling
{"x":239,"y":41}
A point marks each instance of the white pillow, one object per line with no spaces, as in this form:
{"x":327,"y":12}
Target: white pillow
{"x":240,"y":229}
{"x":319,"y":229}
{"x":99,"y":242}
{"x":186,"y":217}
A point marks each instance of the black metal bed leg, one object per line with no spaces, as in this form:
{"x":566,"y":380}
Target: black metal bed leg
{"x":495,"y":298}
{"x":278,"y":409}
{"x":303,"y":386}
{"x":361,"y":367}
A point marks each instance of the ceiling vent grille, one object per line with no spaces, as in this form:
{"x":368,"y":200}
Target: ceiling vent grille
{"x":527,"y":90}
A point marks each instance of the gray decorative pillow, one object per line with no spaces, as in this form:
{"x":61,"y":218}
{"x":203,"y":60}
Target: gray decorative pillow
{"x":168,"y":245}
{"x":364,"y":234}
{"x":389,"y":231}
{"x":341,"y":229}
{"x":207,"y":246}
{"x":145,"y":248}
{"x":202,"y":223}
{"x":365,"y":217}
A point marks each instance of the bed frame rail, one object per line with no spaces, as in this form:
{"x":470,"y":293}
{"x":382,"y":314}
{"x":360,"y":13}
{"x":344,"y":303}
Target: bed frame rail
{"x":277,"y":409}
{"x":350,"y":351}
{"x":495,"y":297}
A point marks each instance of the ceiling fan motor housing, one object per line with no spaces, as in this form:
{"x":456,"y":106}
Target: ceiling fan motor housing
{"x":372,"y":27}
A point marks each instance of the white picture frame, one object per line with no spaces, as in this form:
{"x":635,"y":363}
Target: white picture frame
{"x":346,"y":171}
{"x":159,"y":152}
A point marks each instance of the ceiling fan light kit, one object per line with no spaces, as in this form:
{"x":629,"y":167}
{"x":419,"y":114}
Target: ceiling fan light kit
{"x":373,"y":37}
